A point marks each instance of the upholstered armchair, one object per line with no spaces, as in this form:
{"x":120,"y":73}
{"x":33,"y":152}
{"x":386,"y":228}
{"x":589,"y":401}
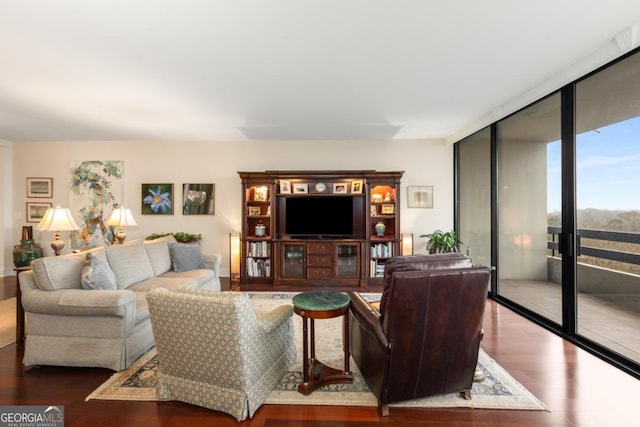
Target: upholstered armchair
{"x":215,"y":351}
{"x":425,"y":337}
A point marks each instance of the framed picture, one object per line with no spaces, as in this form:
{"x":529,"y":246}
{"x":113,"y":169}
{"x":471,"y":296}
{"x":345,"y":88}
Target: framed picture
{"x":356,"y":186}
{"x":157,"y":199}
{"x":260,"y":193}
{"x":254,"y":210}
{"x":198,"y":199}
{"x":36,"y":211}
{"x":39,"y":187}
{"x":420,"y":196}
{"x":300,"y":188}
{"x":340,"y":188}
{"x":387,"y":209}
{"x":285,"y":187}
{"x":374,"y":210}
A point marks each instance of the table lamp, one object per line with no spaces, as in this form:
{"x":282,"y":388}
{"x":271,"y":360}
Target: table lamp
{"x":121,"y":218}
{"x":57,"y":219}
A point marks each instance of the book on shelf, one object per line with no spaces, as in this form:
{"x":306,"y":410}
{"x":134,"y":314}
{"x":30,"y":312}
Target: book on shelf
{"x":382,"y":250}
{"x":258,"y":267}
{"x":259,"y":249}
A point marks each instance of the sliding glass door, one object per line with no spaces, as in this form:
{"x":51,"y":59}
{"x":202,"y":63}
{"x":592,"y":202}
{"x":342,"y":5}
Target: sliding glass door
{"x":608,"y":207}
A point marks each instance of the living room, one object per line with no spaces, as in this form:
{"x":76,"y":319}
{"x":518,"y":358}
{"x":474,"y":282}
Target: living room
{"x":162,"y":133}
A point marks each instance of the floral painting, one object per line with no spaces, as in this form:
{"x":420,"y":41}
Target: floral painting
{"x":198,"y":199}
{"x":157,"y":199}
{"x":96,"y":189}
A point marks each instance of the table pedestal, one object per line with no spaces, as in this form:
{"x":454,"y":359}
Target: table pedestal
{"x":321,"y":305}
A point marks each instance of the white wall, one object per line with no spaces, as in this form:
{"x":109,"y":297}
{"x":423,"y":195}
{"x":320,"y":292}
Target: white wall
{"x":6,"y":223}
{"x":425,"y":162}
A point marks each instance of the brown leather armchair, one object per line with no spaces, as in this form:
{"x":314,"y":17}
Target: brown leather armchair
{"x":424,"y":339}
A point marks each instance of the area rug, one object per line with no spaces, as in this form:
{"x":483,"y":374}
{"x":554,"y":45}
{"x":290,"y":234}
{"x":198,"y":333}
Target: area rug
{"x":7,"y":321}
{"x":499,"y":390}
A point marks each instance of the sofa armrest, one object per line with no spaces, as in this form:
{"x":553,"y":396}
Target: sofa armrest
{"x":270,"y":320}
{"x":80,"y":302}
{"x":213,"y":261}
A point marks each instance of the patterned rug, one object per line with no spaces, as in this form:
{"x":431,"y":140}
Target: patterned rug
{"x":499,"y":390}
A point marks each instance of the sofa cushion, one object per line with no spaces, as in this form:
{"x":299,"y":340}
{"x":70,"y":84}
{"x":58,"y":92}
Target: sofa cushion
{"x":97,"y":274}
{"x":58,"y":272}
{"x":130,"y":263}
{"x":172,"y":284}
{"x":202,"y":276}
{"x":186,"y":256}
{"x":158,"y":252}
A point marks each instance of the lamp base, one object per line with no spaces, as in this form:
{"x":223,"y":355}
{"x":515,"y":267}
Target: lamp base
{"x":57,"y":243}
{"x":121,"y":236}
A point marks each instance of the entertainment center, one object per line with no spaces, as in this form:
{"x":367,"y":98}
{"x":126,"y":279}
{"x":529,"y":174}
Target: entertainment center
{"x":327,"y":228}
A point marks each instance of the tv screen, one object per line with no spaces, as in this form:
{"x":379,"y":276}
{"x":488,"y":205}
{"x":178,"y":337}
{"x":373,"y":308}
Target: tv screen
{"x":319,"y":216}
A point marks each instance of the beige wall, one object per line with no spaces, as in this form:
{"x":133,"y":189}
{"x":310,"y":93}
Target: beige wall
{"x":425,"y":162}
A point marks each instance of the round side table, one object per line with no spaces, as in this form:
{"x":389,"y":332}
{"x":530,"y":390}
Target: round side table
{"x":321,"y":305}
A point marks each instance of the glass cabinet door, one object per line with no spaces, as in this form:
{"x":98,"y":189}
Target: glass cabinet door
{"x":293,"y":260}
{"x":347,"y":256}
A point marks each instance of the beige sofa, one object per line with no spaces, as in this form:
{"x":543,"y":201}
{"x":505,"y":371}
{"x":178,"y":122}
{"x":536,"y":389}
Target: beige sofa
{"x":71,"y":324}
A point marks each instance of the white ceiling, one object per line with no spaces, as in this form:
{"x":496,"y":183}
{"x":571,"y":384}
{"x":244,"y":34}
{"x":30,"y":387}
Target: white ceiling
{"x":287,"y":69}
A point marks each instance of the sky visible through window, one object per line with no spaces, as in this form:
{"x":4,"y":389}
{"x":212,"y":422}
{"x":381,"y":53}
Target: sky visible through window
{"x":608,"y":168}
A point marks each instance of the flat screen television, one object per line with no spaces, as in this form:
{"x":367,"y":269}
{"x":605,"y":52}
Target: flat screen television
{"x":319,"y":216}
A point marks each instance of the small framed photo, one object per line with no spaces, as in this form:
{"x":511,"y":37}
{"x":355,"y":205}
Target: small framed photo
{"x":420,"y":196}
{"x":254,"y":210}
{"x":374,"y":210}
{"x":285,"y":186}
{"x":157,"y":199}
{"x":300,"y":188}
{"x":387,"y":209}
{"x":36,"y":211}
{"x":39,"y":187}
{"x":340,"y":188}
{"x":356,"y":186}
{"x":260,"y":193}
{"x":198,"y":199}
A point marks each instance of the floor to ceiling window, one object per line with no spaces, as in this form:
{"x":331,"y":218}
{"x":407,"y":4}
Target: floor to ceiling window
{"x":608,"y":206}
{"x":474,"y":177}
{"x":565,"y":181}
{"x":525,"y":273}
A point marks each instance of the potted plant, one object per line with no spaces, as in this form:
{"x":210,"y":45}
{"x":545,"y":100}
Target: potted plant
{"x":441,"y":241}
{"x":180,"y":236}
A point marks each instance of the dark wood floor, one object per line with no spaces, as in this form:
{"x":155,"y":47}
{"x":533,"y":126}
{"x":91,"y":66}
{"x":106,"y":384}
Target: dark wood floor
{"x":579,"y":389}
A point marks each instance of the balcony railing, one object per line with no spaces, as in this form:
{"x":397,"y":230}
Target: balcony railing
{"x":611,"y":236}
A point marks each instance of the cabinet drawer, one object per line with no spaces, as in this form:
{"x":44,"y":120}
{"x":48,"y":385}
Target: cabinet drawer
{"x":319,"y":260}
{"x":319,"y":248}
{"x":319,"y":273}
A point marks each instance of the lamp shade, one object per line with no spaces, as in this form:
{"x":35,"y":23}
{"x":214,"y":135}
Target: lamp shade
{"x":57,"y":219}
{"x":121,"y":217}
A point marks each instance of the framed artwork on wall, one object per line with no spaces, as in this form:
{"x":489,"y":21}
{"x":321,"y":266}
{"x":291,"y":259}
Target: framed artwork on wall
{"x":198,"y":199}
{"x":36,"y":211}
{"x":39,"y":187}
{"x":97,"y":187}
{"x":157,"y":199}
{"x":420,"y":196}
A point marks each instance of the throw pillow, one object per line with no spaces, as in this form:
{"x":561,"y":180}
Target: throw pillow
{"x":186,"y":256}
{"x":96,"y":274}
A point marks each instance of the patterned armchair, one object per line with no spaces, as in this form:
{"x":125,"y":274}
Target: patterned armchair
{"x":215,"y":351}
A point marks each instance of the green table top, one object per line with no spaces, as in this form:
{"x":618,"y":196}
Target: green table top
{"x":320,"y":300}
